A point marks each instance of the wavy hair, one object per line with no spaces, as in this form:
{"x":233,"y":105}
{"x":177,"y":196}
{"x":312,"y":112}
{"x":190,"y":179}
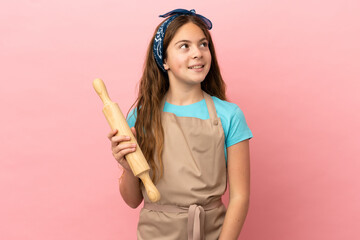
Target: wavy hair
{"x":152,"y":88}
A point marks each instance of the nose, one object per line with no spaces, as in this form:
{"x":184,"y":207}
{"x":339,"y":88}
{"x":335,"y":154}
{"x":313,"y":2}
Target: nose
{"x":197,"y":53}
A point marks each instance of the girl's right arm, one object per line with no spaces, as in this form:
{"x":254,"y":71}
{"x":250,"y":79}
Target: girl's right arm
{"x":129,"y":184}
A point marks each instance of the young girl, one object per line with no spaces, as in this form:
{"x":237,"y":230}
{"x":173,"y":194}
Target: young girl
{"x":192,"y":138}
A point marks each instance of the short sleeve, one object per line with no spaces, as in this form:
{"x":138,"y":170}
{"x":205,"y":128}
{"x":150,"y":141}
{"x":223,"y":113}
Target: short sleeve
{"x":238,"y":129}
{"x":131,"y":118}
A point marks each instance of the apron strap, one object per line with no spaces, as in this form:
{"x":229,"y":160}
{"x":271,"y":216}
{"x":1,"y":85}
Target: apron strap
{"x":211,"y":108}
{"x":209,"y":103}
{"x":196,"y":215}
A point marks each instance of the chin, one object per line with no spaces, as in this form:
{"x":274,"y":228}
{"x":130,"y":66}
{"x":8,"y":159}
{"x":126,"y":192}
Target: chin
{"x":196,"y":81}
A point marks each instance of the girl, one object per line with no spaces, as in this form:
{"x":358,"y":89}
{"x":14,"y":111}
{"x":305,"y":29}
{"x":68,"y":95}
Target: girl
{"x":192,"y":138}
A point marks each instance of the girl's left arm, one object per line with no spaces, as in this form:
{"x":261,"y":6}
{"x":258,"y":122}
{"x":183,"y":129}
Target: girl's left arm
{"x":239,"y":189}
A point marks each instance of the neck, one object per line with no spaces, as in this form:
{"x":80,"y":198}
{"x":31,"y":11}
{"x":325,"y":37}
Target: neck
{"x":184,"y":96}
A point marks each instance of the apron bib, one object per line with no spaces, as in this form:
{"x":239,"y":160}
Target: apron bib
{"x":193,"y":182}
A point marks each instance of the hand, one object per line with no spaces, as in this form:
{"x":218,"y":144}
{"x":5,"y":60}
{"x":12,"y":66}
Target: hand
{"x":120,"y":147}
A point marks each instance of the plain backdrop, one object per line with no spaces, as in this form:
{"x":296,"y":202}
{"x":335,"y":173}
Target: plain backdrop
{"x":291,"y":66}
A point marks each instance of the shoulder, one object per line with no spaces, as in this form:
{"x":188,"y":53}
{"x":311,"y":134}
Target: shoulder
{"x":233,"y":121}
{"x":227,"y":109}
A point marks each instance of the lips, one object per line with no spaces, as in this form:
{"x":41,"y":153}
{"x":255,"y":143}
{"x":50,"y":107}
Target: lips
{"x":198,"y":66}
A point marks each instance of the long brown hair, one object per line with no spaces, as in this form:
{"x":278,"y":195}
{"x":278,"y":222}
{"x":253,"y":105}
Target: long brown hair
{"x":153,"y":86}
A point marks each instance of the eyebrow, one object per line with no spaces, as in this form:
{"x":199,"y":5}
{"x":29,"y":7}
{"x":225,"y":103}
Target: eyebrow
{"x":188,"y":41}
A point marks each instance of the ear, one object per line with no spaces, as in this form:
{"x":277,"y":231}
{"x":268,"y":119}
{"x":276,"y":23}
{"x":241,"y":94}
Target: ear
{"x":166,"y":66}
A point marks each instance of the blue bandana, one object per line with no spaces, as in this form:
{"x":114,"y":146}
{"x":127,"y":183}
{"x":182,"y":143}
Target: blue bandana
{"x":159,"y":37}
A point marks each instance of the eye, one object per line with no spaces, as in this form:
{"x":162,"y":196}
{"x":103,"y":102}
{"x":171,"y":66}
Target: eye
{"x":183,"y":46}
{"x":204,"y":44}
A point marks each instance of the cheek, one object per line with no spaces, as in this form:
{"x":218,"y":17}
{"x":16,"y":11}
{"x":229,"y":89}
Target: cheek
{"x":208,"y":58}
{"x":179,"y":61}
{"x":208,"y":53}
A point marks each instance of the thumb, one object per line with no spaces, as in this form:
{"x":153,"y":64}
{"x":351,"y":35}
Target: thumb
{"x":133,"y":130}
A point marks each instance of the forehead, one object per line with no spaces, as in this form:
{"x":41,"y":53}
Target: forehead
{"x":189,"y":31}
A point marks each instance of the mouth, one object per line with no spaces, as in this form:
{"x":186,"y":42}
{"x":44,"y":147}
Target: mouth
{"x":196,"y":67}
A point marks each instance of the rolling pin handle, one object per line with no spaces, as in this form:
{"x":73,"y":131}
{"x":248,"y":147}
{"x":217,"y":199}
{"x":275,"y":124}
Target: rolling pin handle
{"x":101,"y":90}
{"x":150,"y":188}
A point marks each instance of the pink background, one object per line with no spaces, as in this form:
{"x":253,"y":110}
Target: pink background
{"x":292,"y":67}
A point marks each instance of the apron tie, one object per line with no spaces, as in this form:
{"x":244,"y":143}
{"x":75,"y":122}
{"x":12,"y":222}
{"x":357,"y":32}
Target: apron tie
{"x":196,"y":215}
{"x":196,"y":221}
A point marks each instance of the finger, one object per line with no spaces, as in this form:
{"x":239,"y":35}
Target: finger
{"x":118,"y":139}
{"x":120,"y":155}
{"x":112,"y":133}
{"x":123,"y":146}
{"x":133,"y":130}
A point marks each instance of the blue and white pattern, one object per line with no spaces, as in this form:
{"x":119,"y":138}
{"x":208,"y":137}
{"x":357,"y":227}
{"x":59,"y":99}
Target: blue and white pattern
{"x":158,"y":42}
{"x":160,"y":34}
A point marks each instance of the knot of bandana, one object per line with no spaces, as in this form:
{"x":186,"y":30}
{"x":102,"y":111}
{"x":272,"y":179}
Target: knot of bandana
{"x":159,"y":36}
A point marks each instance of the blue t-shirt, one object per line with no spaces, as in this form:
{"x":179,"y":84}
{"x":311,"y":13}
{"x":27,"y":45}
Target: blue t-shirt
{"x":232,"y":118}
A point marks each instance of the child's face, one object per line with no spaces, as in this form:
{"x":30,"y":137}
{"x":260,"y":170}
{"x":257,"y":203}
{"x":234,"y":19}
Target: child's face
{"x":188,"y":56}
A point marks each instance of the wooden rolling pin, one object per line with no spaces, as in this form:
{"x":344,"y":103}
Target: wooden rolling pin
{"x":136,"y":160}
